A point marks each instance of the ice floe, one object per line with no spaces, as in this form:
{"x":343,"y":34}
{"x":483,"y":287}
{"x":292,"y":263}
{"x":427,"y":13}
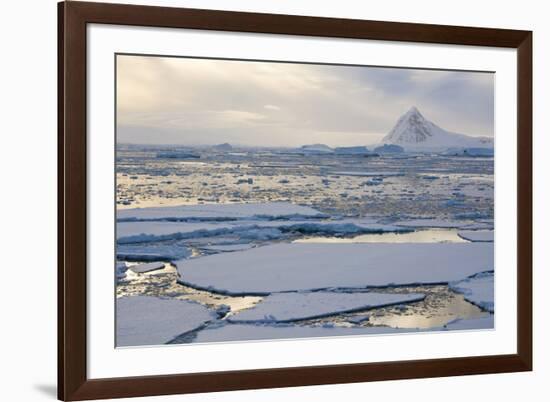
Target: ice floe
{"x":145,"y":320}
{"x":303,"y":266}
{"x":139,"y":232}
{"x":152,"y":252}
{"x":442,"y":223}
{"x":287,"y":307}
{"x":228,"y":247}
{"x":487,"y":322}
{"x":143,"y":268}
{"x":479,"y":290}
{"x":217,"y":212}
{"x":478,"y":235}
{"x":247,"y":332}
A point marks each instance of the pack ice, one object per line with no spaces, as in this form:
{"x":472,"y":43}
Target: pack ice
{"x":307,"y":266}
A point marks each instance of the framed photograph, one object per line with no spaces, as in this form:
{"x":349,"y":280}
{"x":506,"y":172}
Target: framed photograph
{"x":253,"y":200}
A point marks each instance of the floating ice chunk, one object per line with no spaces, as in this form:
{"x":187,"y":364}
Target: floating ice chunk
{"x":442,"y":223}
{"x":303,"y":266}
{"x":143,"y":268}
{"x":487,"y":322}
{"x":479,"y":290}
{"x":246,"y":332}
{"x":121,"y":269}
{"x":477,"y":235}
{"x":152,"y":252}
{"x":271,"y":210}
{"x":287,"y":307}
{"x":145,"y":320}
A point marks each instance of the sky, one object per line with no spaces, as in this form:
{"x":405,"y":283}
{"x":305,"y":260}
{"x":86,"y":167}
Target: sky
{"x":168,"y":100}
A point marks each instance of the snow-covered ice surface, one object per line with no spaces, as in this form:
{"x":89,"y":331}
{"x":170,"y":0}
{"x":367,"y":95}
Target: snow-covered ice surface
{"x":287,"y":307}
{"x":143,"y":268}
{"x":273,"y":210}
{"x":228,"y":216}
{"x":442,"y":223}
{"x":145,"y":320}
{"x":151,"y":252}
{"x":139,"y":232}
{"x":478,"y":235}
{"x":246,"y":332}
{"x":487,"y":322}
{"x":479,"y":289}
{"x":290,"y":267}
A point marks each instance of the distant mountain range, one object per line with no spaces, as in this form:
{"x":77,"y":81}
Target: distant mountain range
{"x":414,"y":132}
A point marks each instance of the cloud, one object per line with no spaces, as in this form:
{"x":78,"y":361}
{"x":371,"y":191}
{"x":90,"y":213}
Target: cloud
{"x":199,"y":101}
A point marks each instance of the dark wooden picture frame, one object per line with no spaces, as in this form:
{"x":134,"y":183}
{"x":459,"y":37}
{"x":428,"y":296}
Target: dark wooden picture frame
{"x":73,"y":17}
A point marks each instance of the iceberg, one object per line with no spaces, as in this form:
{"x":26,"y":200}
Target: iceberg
{"x":313,"y":266}
{"x":316,"y":149}
{"x":389,"y":149}
{"x":359,"y":150}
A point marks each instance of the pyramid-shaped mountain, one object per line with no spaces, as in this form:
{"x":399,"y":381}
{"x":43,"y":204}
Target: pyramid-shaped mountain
{"x":414,"y":131}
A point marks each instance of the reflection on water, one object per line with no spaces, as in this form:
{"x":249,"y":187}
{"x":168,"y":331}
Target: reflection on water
{"x":420,"y":236}
{"x":440,"y":306}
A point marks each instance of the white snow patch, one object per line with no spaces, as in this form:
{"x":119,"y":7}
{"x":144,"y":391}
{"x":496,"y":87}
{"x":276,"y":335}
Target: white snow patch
{"x":144,"y":320}
{"x":306,"y":266}
{"x":287,"y":307}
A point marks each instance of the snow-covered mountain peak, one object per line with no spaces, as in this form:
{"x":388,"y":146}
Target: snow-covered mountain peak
{"x":413,"y":130}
